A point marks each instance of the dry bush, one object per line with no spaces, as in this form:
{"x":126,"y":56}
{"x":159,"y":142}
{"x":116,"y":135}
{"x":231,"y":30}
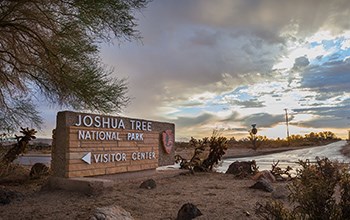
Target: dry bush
{"x":313,"y":193}
{"x":13,"y":172}
{"x":217,"y":146}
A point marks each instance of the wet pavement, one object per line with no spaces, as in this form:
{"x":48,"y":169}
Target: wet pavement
{"x":290,"y":158}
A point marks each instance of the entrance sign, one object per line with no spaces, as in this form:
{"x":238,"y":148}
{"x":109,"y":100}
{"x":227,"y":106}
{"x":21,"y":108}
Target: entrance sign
{"x":89,"y":144}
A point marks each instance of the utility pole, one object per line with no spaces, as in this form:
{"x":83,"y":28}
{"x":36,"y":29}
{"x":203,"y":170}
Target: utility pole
{"x":348,"y":131}
{"x":287,"y":125}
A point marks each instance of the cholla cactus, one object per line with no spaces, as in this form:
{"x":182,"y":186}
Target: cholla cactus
{"x":217,"y":147}
{"x":20,"y":146}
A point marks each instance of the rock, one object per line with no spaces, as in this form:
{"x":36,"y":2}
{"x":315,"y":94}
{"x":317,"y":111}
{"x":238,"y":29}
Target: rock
{"x":241,"y":168}
{"x":263,"y":184}
{"x":111,"y":213}
{"x":188,"y":211}
{"x":6,"y":196}
{"x":279,"y":178}
{"x":148,"y":184}
{"x":38,"y":170}
{"x":281,"y":192}
{"x":265,"y":174}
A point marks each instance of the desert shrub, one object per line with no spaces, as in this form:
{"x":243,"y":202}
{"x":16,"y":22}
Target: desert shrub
{"x":12,"y":172}
{"x":217,"y":146}
{"x":313,"y":193}
{"x":20,"y":147}
{"x":314,"y":188}
{"x":274,"y":210}
{"x":345,"y":196}
{"x":280,"y":173}
{"x":195,"y":161}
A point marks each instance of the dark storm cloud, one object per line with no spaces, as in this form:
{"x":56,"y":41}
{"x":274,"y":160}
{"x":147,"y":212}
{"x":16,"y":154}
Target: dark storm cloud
{"x":331,"y":77}
{"x":252,"y":103}
{"x":234,"y":116}
{"x":329,"y":117}
{"x":324,"y":122}
{"x":191,"y":47}
{"x":183,"y":122}
{"x":341,"y":110}
{"x":327,"y":96}
{"x":263,"y":120}
{"x":301,"y":62}
{"x":191,"y":43}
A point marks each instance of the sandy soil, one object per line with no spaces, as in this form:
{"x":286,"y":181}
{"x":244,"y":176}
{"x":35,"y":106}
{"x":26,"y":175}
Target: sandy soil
{"x":218,"y":196}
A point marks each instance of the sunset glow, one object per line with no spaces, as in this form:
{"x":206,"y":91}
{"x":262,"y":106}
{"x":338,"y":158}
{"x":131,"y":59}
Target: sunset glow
{"x":225,"y":65}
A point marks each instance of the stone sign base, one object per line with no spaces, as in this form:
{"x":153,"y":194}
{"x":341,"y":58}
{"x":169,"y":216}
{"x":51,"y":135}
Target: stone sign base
{"x":98,"y":184}
{"x":85,"y":185}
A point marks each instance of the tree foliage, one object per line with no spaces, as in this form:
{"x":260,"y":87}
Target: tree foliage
{"x":294,"y":140}
{"x":50,"y":47}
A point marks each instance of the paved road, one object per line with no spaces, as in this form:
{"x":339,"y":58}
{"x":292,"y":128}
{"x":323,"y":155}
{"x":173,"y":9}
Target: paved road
{"x":289,"y":158}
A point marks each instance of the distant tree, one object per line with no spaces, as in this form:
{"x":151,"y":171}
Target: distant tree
{"x":327,"y":135}
{"x":50,"y":47}
{"x":312,"y":136}
{"x":256,"y":140}
{"x":232,"y":139}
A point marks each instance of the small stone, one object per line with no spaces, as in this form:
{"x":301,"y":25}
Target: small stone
{"x":281,"y":192}
{"x":6,"y":196}
{"x":188,"y":211}
{"x":263,"y":184}
{"x":38,"y":170}
{"x":266,"y":175}
{"x":111,"y":212}
{"x":148,"y":184}
{"x":241,"y":168}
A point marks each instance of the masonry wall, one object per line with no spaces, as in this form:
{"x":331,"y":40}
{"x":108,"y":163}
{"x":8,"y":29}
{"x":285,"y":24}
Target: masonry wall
{"x":68,"y":150}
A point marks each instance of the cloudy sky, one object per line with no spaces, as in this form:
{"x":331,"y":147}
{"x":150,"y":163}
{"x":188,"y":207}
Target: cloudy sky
{"x":227,"y":64}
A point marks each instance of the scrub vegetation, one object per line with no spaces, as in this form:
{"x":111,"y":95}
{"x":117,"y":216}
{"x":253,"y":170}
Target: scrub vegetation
{"x":311,"y":139}
{"x":216,"y":146}
{"x":17,"y":149}
{"x":320,"y":191}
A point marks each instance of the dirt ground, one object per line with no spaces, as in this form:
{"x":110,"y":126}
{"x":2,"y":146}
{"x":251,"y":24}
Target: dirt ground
{"x":217,"y":195}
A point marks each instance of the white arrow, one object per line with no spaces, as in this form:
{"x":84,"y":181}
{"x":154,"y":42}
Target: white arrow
{"x":87,"y":158}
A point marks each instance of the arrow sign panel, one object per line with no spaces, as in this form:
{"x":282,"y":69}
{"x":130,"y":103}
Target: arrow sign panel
{"x":87,"y":158}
